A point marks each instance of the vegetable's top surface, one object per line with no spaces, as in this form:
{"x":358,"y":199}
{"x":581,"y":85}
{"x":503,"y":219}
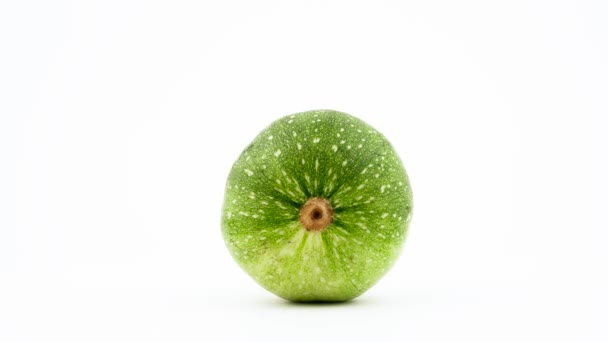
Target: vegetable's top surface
{"x":324,"y":154}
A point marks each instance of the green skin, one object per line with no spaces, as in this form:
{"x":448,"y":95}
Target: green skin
{"x":324,"y":154}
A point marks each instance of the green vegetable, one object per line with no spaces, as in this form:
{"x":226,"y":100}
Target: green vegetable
{"x":317,"y":207}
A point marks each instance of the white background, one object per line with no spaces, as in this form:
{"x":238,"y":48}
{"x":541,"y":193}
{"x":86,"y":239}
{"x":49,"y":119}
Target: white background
{"x":120,"y":120}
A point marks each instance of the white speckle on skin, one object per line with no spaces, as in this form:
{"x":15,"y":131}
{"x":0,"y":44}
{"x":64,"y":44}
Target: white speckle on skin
{"x":255,"y":216}
{"x":277,"y":153}
{"x":229,"y":215}
{"x":299,"y":146}
{"x":290,"y":121}
{"x":303,"y":162}
{"x":344,"y":163}
{"x":360,"y":186}
{"x":242,"y":213}
{"x":233,"y":201}
{"x":316,"y":164}
{"x":345,"y":189}
{"x":248,"y":172}
{"x":364,"y":227}
{"x":384,"y":215}
{"x":360,"y":146}
{"x":264,"y":202}
{"x":294,"y":133}
{"x":382,"y":188}
{"x":364,"y":171}
{"x":316,"y":140}
{"x":377,"y":175}
{"x":262,"y":238}
{"x":334,"y":148}
{"x":349,"y":147}
{"x":342,"y":141}
{"x":270,"y":137}
{"x":341,"y":129}
{"x":343,"y":230}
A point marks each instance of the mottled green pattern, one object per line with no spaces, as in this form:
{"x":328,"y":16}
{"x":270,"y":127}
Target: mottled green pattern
{"x":317,"y":154}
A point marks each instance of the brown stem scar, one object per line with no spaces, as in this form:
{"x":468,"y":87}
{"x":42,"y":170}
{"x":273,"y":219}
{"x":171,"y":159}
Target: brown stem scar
{"x":316,"y":214}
